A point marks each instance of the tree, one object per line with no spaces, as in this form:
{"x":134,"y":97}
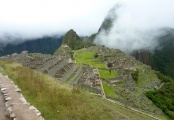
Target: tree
{"x":96,"y":55}
{"x":135,"y":75}
{"x":109,"y":65}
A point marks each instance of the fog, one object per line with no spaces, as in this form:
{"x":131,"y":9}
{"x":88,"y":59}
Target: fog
{"x":138,"y":24}
{"x":28,"y":19}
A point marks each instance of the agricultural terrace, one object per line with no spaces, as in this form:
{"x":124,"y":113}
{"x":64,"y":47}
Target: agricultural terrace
{"x":87,"y":56}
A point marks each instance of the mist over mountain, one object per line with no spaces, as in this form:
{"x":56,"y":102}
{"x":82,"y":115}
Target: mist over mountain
{"x":162,"y":57}
{"x":137,"y":26}
{"x":144,"y":30}
{"x":45,"y":45}
{"x":21,"y":20}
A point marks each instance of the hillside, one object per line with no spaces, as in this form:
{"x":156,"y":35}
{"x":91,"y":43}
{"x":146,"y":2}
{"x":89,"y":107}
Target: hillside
{"x":107,"y":72}
{"x":64,"y":101}
{"x":63,"y":50}
{"x":105,"y":26}
{"x":72,"y":40}
{"x":162,"y":58}
{"x":45,"y":45}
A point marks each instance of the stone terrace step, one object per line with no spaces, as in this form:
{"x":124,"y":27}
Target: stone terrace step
{"x":76,"y":81}
{"x":77,"y":76}
{"x":39,"y":61}
{"x":48,"y":64}
{"x":69,"y":73}
{"x":52,"y":72}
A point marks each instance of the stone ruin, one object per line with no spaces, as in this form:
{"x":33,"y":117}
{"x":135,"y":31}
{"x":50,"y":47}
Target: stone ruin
{"x":62,"y":68}
{"x":123,"y":65}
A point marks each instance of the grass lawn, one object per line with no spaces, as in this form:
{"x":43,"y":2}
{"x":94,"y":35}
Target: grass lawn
{"x":88,"y":58}
{"x":109,"y":91}
{"x":105,"y":74}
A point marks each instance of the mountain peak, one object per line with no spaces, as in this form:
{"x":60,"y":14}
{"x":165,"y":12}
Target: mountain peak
{"x":72,"y":40}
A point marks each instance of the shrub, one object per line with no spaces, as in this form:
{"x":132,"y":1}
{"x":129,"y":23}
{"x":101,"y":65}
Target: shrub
{"x":109,"y":64}
{"x":96,"y":55}
{"x":163,"y":78}
{"x":135,"y":75}
{"x":163,"y":98}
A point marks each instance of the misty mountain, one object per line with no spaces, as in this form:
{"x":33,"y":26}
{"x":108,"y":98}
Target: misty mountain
{"x":162,"y":58}
{"x":45,"y":45}
{"x":106,"y":25}
{"x":108,"y":22}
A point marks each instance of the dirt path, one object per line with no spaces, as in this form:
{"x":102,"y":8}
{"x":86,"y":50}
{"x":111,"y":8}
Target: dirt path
{"x":20,"y":108}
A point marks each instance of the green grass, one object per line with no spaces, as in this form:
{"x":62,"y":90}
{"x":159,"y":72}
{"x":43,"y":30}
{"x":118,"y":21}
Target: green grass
{"x":60,"y":101}
{"x":105,"y":74}
{"x":88,"y":58}
{"x":146,"y":74}
{"x":109,"y":91}
{"x":119,"y":84}
{"x":72,"y":75}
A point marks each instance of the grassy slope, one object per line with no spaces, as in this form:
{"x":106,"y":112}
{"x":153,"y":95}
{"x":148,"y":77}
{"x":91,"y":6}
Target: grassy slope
{"x":57,"y":100}
{"x":146,"y":74}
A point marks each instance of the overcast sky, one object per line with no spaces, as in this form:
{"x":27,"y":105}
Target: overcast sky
{"x":38,"y":17}
{"x":35,"y":18}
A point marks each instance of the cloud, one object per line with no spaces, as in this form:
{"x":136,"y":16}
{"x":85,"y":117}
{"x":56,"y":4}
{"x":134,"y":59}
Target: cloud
{"x":138,"y":24}
{"x":26,"y":19}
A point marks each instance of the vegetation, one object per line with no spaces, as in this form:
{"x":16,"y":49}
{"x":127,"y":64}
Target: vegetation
{"x":164,"y":97}
{"x":107,"y":74}
{"x":73,"y":40}
{"x":96,"y":55}
{"x":88,"y":57}
{"x":45,"y":45}
{"x":162,"y":58}
{"x":164,"y":78}
{"x":135,"y":75}
{"x":109,"y":91}
{"x":57,"y":100}
{"x":143,"y":75}
{"x":109,"y":65}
